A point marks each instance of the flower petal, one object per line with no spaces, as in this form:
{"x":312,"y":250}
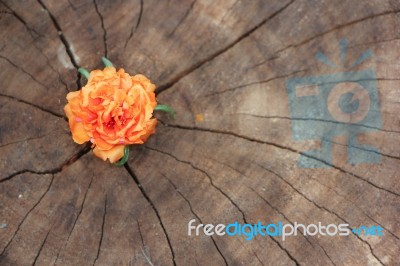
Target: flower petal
{"x":114,"y":154}
{"x":78,"y":131}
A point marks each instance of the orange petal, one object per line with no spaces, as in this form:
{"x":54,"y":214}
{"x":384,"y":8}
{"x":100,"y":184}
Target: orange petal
{"x":78,"y":131}
{"x":72,"y":94}
{"x":68,"y":111}
{"x":101,"y":143}
{"x":150,"y":129}
{"x":114,"y":154}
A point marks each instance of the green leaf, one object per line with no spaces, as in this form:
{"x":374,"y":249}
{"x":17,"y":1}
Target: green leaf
{"x":84,"y":72}
{"x":166,"y":109}
{"x":125,"y":158}
{"x":107,"y":62}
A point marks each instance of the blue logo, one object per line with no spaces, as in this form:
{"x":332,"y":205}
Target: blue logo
{"x":343,"y":103}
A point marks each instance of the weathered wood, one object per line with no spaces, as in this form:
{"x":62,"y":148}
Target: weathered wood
{"x":228,"y":156}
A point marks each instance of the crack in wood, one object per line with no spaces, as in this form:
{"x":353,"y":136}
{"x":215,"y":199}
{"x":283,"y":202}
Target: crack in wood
{"x":102,"y":27}
{"x":56,"y":170}
{"x":182,"y":19}
{"x":34,"y":105}
{"x":41,"y":246}
{"x":279,"y":146}
{"x":318,"y":206}
{"x":144,"y":193}
{"x":26,"y":72}
{"x":206,"y":174}
{"x":75,"y":221}
{"x":354,"y":205}
{"x":228,"y":11}
{"x":315,"y":119}
{"x":224,"y":194}
{"x":277,"y":210}
{"x":134,"y":29}
{"x":26,"y":215}
{"x":102,"y":231}
{"x":214,"y":55}
{"x":253,"y":83}
{"x":22,"y":140}
{"x":338,"y":27}
{"x":143,"y":245}
{"x":31,"y":31}
{"x":64,"y":41}
{"x":17,"y":16}
{"x":373,"y":42}
{"x":284,"y":216}
{"x":195,"y":214}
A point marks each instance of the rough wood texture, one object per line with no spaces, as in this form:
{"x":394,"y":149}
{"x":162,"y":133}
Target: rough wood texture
{"x":228,"y":61}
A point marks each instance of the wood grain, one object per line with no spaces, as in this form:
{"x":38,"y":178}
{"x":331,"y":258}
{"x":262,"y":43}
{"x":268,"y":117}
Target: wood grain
{"x":226,"y":62}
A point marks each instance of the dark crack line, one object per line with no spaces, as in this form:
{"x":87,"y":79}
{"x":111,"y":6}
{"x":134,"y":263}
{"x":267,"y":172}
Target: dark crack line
{"x":278,"y":211}
{"x":316,"y":119}
{"x":140,"y":233}
{"x":56,"y":170}
{"x":33,"y":105}
{"x":224,"y":194}
{"x":144,"y":193}
{"x":182,"y":19}
{"x":261,"y":63}
{"x":258,"y":259}
{"x":26,"y":72}
{"x":195,"y":214}
{"x":355,"y":205}
{"x":72,"y":5}
{"x":17,"y":16}
{"x":76,"y":220}
{"x":134,"y":29}
{"x":338,"y":27}
{"x":197,"y":65}
{"x":363,"y":149}
{"x":64,"y":41}
{"x":252,"y":83}
{"x":288,"y":75}
{"x":279,"y":146}
{"x":102,"y":231}
{"x":334,"y":122}
{"x":206,"y":174}
{"x":80,"y":210}
{"x":281,"y":213}
{"x":26,"y":215}
{"x":318,"y":206}
{"x":268,"y":203}
{"x":102,"y":27}
{"x":284,"y":250}
{"x":41,"y":246}
{"x":228,"y":12}
{"x":31,"y":31}
{"x":373,"y":42}
{"x":22,"y":140}
{"x":147,"y":257}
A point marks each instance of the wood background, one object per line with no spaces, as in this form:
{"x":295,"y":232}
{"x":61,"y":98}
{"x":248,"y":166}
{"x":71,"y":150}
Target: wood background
{"x":226,"y":62}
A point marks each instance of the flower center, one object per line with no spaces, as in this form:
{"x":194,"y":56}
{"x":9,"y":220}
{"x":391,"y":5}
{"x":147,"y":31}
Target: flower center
{"x":110,"y":124}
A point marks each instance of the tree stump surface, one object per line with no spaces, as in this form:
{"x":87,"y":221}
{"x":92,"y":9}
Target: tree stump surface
{"x":229,"y":155}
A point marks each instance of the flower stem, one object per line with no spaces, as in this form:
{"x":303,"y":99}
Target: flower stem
{"x":107,"y":62}
{"x":125,"y":158}
{"x":166,"y":109}
{"x":84,"y":72}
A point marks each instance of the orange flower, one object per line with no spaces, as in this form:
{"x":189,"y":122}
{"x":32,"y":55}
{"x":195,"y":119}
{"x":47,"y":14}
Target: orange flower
{"x":114,"y":109}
